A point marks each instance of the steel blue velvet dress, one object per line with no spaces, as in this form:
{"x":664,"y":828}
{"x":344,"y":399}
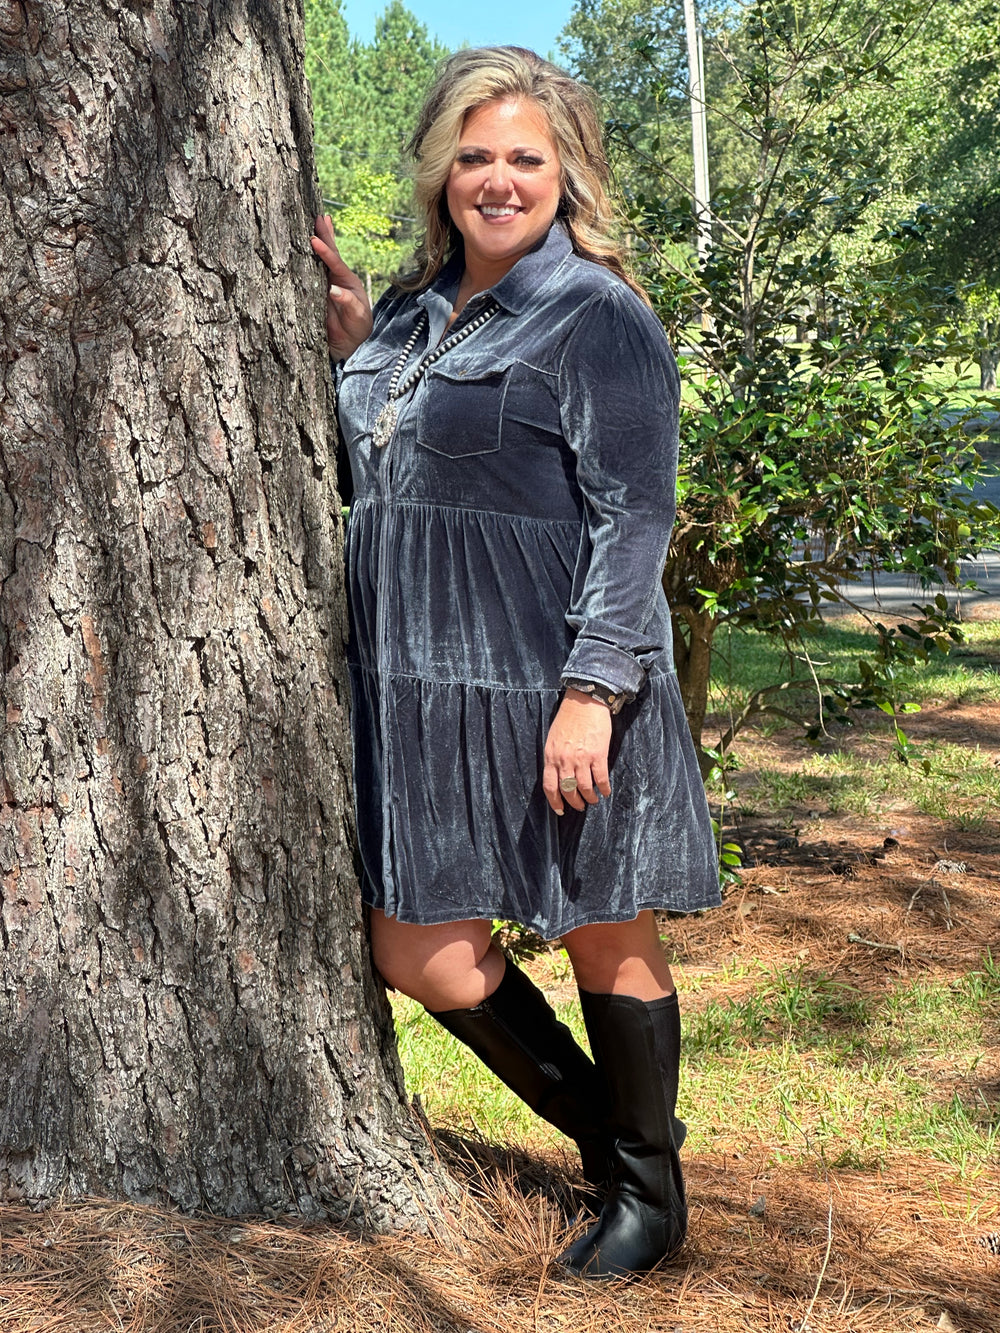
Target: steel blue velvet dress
{"x":513,"y":533}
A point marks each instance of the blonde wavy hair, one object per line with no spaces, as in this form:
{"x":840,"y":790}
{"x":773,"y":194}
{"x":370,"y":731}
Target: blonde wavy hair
{"x":483,"y":74}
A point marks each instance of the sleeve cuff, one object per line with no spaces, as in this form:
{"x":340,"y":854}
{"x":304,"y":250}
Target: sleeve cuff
{"x":606,"y":665}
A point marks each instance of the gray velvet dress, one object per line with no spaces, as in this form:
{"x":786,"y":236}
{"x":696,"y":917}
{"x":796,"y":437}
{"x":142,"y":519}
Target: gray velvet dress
{"x":513,"y":533}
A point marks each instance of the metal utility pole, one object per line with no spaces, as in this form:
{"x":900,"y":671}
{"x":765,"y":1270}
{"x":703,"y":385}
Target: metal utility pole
{"x":699,"y":131}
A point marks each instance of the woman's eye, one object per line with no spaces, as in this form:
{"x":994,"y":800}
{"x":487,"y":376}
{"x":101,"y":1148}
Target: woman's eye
{"x":523,"y":160}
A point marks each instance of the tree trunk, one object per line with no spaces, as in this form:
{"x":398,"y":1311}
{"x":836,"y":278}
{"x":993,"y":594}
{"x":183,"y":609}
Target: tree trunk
{"x":187,"y":1011}
{"x":693,"y":660}
{"x":989,"y":360}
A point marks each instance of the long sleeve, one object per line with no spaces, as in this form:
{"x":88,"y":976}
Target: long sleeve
{"x":619,"y":392}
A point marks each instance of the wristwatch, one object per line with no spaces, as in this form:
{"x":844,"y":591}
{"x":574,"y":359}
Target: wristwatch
{"x":616,"y":702}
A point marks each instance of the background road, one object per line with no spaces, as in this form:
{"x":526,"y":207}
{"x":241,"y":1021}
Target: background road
{"x":896,"y":593}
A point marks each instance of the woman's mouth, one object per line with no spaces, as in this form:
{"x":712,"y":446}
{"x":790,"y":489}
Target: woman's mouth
{"x":498,"y":210}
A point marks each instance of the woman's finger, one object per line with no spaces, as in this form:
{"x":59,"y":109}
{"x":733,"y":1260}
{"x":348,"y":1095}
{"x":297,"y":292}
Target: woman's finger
{"x":573,"y":796}
{"x":324,"y":229}
{"x":602,"y":778}
{"x":335,"y":266}
{"x":348,"y":309}
{"x":324,"y":246}
{"x":324,"y":242}
{"x":585,"y":782}
{"x":550,"y":786}
{"x":352,"y":311}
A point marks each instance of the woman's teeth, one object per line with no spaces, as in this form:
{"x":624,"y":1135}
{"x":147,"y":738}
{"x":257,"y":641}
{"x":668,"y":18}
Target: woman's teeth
{"x":498,"y":210}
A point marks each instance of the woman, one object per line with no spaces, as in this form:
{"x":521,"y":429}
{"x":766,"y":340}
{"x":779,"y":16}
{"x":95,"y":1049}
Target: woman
{"x":521,"y":750}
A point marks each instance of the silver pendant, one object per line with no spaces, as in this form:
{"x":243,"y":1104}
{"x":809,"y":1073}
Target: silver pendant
{"x":385,"y":424}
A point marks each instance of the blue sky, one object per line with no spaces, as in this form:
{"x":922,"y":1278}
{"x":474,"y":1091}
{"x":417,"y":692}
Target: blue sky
{"x":534,"y":23}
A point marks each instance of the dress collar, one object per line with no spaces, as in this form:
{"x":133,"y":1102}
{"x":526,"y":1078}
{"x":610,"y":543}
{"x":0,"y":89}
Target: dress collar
{"x":515,"y":289}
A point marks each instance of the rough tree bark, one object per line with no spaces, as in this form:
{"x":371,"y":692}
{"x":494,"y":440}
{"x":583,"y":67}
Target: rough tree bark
{"x":186,"y":1007}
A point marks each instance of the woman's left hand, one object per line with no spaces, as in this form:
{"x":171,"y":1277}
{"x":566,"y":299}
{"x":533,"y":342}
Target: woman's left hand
{"x":577,"y":747}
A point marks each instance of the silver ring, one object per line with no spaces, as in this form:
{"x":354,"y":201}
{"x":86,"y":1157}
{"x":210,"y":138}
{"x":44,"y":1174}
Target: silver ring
{"x":567,"y":784}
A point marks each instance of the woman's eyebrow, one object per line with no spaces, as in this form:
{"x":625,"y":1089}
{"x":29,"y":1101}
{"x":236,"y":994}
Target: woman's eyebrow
{"x":519,"y":148}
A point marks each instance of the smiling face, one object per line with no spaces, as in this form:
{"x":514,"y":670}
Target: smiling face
{"x":504,"y":186}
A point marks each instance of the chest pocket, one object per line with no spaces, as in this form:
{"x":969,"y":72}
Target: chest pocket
{"x":357,"y":402}
{"x":531,"y":412}
{"x":460,"y":412}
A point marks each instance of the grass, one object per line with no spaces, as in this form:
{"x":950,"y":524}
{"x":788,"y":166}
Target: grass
{"x":805,"y":1063}
{"x":960,"y":380}
{"x":848,"y":773}
{"x":746,"y":660}
{"x":962,"y":783}
{"x":831,"y":1068}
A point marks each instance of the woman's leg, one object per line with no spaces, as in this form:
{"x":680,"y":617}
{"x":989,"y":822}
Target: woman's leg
{"x":466,"y":984}
{"x":454,"y":965}
{"x":621,"y":958}
{"x":630,"y":1009}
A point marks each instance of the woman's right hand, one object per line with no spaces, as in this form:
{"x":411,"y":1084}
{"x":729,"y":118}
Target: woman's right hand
{"x":348,"y":310}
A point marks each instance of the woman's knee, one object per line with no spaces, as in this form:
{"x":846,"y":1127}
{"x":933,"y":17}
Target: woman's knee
{"x":447,"y":966}
{"x":624,"y":958}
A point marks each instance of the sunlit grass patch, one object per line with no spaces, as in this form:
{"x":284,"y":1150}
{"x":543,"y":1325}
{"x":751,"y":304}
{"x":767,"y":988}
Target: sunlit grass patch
{"x":808,"y":1105}
{"x":806,"y":1064}
{"x":962,"y":782}
{"x":785,"y":1005}
{"x":745,"y":660}
{"x":813,"y":1064}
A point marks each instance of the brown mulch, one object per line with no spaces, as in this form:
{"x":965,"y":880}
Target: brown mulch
{"x":768,"y":1249}
{"x":772,"y":1248}
{"x":894,"y":883}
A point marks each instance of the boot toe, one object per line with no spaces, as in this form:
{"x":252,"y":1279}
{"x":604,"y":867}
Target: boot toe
{"x":629,"y":1239}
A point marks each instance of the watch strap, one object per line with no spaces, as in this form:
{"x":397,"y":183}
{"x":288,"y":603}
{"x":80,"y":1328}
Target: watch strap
{"x":615,"y":700}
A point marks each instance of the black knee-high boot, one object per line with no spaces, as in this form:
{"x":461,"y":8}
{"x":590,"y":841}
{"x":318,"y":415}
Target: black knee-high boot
{"x":636,"y":1046}
{"x":515,"y":1033}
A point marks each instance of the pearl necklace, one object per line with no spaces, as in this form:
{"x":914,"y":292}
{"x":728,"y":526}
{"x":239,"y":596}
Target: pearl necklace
{"x":385,"y":424}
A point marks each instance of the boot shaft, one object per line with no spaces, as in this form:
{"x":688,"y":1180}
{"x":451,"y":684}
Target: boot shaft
{"x":636,"y":1047}
{"x":516,"y":1034}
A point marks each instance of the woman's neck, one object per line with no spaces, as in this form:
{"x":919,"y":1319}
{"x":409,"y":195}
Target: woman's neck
{"x":477,"y":277}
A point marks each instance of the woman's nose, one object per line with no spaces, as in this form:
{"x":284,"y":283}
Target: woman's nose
{"x":498,"y":179}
